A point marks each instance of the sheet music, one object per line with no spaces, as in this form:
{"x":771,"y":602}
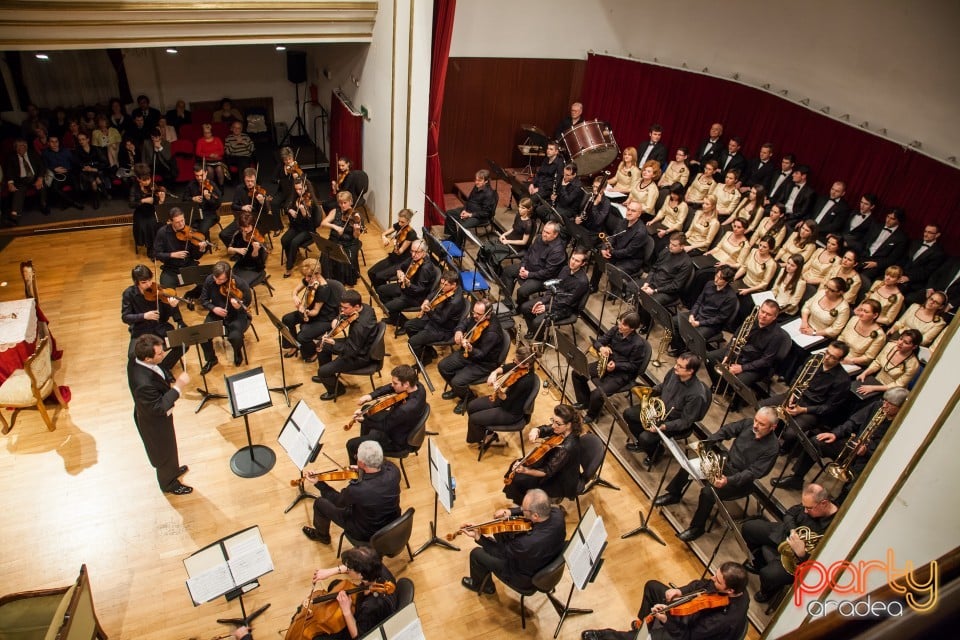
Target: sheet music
{"x":439,"y":476}
{"x":251,"y":392}
{"x":308,"y":422}
{"x":403,"y":625}
{"x":693,"y":467}
{"x":801,"y":340}
{"x":251,"y":564}
{"x":296,"y":446}
{"x":577,"y":557}
{"x":210,"y":584}
{"x":759,"y":297}
{"x":596,"y":537}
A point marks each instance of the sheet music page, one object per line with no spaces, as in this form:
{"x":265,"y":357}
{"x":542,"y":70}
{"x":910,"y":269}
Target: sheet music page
{"x":596,"y":536}
{"x":404,"y":625}
{"x":577,"y":557}
{"x":694,"y":468}
{"x":296,"y":445}
{"x":251,"y":565}
{"x":243,"y":542}
{"x":440,"y":474}
{"x":801,"y":340}
{"x":312,"y":428}
{"x":759,"y":297}
{"x":210,"y":584}
{"x":251,"y":392}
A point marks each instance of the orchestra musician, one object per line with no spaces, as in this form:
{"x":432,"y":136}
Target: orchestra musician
{"x":758,"y":355}
{"x":726,"y":620}
{"x":221,"y":300}
{"x":347,"y":179}
{"x":575,"y":118}
{"x":145,"y":200}
{"x":365,"y":505}
{"x":515,"y":558}
{"x":711,"y":310}
{"x":246,"y":199}
{"x":345,"y":228}
{"x":563,"y":300}
{"x":401,"y":235}
{"x":508,"y":243}
{"x":350,"y":343}
{"x":412,"y":287}
{"x":506,"y":404}
{"x":149,"y":317}
{"x":667,"y":276}
{"x":391,"y":425}
{"x":317,"y":302}
{"x":625,"y":350}
{"x":304,"y":215}
{"x":548,"y":174}
{"x":592,"y":215}
{"x":831,"y":442}
{"x":247,"y":250}
{"x":624,"y":249}
{"x":815,"y":512}
{"x":439,"y":316}
{"x":542,"y":261}
{"x":554,"y":466}
{"x":478,"y":210}
{"x":206,"y":196}
{"x":564,"y":196}
{"x":174,"y":254}
{"x":685,"y":399}
{"x":480,"y":340}
{"x":752,"y":456}
{"x":288,"y":172}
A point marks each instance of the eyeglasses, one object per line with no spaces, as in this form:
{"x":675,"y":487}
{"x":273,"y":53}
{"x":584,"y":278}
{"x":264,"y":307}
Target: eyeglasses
{"x":557,"y":422}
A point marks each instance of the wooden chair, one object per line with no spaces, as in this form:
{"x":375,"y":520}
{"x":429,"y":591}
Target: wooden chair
{"x":30,"y":386}
{"x":66,"y":613}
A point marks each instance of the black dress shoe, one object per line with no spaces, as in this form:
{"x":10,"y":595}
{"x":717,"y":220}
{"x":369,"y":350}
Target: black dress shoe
{"x":634,"y":447}
{"x":238,"y":358}
{"x":691,"y":534}
{"x":179,"y":489}
{"x":291,"y":353}
{"x":449,"y":395}
{"x":182,"y":470}
{"x":750,"y":567}
{"x":788,"y":482}
{"x":760,"y":596}
{"x":316,"y":536}
{"x":316,"y":379}
{"x":330,"y":395}
{"x":666,"y":499}
{"x":461,"y":407}
{"x":401,"y":331}
{"x":579,"y":406}
{"x":488,"y":589}
{"x":649,"y":461}
{"x":208,"y":366}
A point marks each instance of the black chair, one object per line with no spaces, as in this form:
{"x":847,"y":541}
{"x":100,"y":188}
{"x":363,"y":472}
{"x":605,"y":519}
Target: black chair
{"x":414,"y":442}
{"x":544,"y":581}
{"x":592,"y":451}
{"x":416,"y":308}
{"x":377,"y":355}
{"x":363,"y":184}
{"x":390,"y":539}
{"x":404,"y":592}
{"x":644,"y":363}
{"x":517,"y":426}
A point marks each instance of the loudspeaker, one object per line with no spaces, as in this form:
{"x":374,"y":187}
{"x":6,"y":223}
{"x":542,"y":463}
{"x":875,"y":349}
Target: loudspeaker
{"x":296,"y":66}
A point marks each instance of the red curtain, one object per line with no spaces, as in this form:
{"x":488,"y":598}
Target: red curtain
{"x":443,"y":12}
{"x":346,"y":132}
{"x":633,"y":95}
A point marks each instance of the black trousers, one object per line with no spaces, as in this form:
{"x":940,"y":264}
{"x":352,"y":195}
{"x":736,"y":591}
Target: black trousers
{"x":483,"y":413}
{"x":610,"y":383}
{"x":234,"y":329}
{"x":766,"y":559}
{"x":329,"y":508}
{"x":306,"y":334}
{"x":329,"y":368}
{"x":705,"y":502}
{"x":460,"y":373}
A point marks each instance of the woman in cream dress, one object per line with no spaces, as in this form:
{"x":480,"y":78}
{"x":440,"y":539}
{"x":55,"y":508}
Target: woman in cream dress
{"x":802,"y":241}
{"x":926,"y":318}
{"x":788,"y":288}
{"x":728,"y":195}
{"x":846,"y":268}
{"x":645,"y":191}
{"x":826,"y":313}
{"x":863,"y":334}
{"x":701,"y":186}
{"x":704,"y":227}
{"x":628,"y":173}
{"x":821,"y":262}
{"x":888,"y":294}
{"x":774,"y":224}
{"x":750,"y":208}
{"x":756,"y":268}
{"x":894,"y":366}
{"x":677,"y":171}
{"x":670,"y":218}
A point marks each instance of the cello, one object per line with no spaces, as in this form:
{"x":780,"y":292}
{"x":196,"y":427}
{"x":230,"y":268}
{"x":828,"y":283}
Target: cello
{"x":321,"y":613}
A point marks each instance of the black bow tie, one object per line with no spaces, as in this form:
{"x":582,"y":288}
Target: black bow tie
{"x":890,"y":229}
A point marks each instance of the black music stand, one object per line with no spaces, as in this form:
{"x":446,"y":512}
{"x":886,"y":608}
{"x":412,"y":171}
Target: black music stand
{"x":194,"y":275}
{"x":517,"y":190}
{"x":282,"y":332}
{"x":248,"y":393}
{"x":575,"y":358}
{"x":745,"y":392}
{"x":671,"y":445}
{"x":661,"y":316}
{"x":691,"y":337}
{"x":444,"y":490}
{"x":618,"y":282}
{"x":804,"y":442}
{"x":423,"y":370}
{"x":617,"y":419}
{"x":300,"y":438}
{"x":371,"y":292}
{"x":196,"y":335}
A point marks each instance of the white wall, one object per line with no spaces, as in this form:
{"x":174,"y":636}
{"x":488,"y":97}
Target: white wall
{"x":885,"y":62}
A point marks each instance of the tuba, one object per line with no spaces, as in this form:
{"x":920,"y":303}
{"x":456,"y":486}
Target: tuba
{"x":652,"y":410}
{"x":840,"y":468}
{"x":800,"y":384}
{"x":787,"y":557}
{"x":711,"y":462}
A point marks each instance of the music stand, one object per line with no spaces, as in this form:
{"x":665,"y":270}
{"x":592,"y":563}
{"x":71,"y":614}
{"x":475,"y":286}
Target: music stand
{"x":575,"y":358}
{"x":300,"y":438}
{"x":661,"y":316}
{"x":617,"y":419}
{"x":229,"y":567}
{"x":282,"y":332}
{"x":373,"y":295}
{"x":330,"y":249}
{"x":444,"y":492}
{"x":617,"y":282}
{"x":729,"y":525}
{"x":745,"y":392}
{"x":248,"y":393}
{"x":423,"y":370}
{"x":583,"y":556}
{"x":194,"y":275}
{"x":402,"y":625}
{"x":517,"y":190}
{"x":196,"y":335}
{"x":691,"y":337}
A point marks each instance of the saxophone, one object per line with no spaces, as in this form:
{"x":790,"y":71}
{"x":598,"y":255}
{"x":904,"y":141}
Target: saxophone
{"x":840,"y":468}
{"x":800,"y":384}
{"x":787,"y":557}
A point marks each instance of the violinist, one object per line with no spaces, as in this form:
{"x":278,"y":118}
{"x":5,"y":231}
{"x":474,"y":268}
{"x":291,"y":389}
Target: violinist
{"x":399,"y":239}
{"x":508,"y":400}
{"x":412,"y":286}
{"x":288,"y":172}
{"x":718,"y":618}
{"x":347,"y":179}
{"x":391,"y":425}
{"x":317,"y":302}
{"x":175,"y":254}
{"x":350,"y":343}
{"x":480,"y":340}
{"x":361,"y":566}
{"x":226,"y":298}
{"x":554,"y":465}
{"x":438,"y":319}
{"x":365,"y":505}
{"x":246,"y":199}
{"x":145,"y":200}
{"x":145,"y":316}
{"x":345,"y":228}
{"x":206,"y":196}
{"x":304,"y":215}
{"x":516,"y":557}
{"x":247,"y":250}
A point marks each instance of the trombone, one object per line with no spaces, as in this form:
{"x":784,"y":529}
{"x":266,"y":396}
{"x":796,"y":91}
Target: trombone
{"x":733,"y":355}
{"x":800,"y":384}
{"x":840,"y":468}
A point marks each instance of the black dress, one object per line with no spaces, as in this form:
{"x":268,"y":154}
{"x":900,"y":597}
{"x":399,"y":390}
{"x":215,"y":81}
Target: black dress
{"x":345,"y":273}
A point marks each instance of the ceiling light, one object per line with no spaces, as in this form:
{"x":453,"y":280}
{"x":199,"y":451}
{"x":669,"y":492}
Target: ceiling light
{"x":42,"y":56}
{"x":280,"y":47}
{"x":172,"y":50}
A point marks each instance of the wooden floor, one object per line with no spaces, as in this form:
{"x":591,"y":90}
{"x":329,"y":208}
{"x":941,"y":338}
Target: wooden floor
{"x":85,"y":493}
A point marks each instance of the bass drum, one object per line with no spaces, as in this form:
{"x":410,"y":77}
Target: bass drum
{"x":591,"y":145}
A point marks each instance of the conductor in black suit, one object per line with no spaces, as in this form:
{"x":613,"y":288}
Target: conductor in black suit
{"x":885,"y":245}
{"x":831,"y":211}
{"x":153,"y":400}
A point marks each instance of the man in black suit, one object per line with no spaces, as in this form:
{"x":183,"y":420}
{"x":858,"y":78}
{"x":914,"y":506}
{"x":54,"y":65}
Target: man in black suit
{"x":654,"y":149}
{"x":922,"y":259}
{"x":24,"y":169}
{"x":708,"y":149}
{"x":831,"y":211}
{"x":575,"y":117}
{"x":782,"y":179}
{"x":153,"y":400}
{"x":885,"y":245}
{"x":797,"y":200}
{"x":858,"y":224}
{"x":480,"y":206}
{"x":150,"y":114}
{"x":760,"y":171}
{"x":946,"y":279}
{"x":732,"y":158}
{"x":351,"y":344}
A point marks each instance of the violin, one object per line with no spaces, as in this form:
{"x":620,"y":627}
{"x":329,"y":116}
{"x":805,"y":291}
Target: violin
{"x":256,"y":236}
{"x":467,"y":342}
{"x":322,"y":614}
{"x":293,"y":169}
{"x":438,"y":299}
{"x":511,"y":524}
{"x":153,"y":293}
{"x":693,"y":603}
{"x":229,"y":289}
{"x":507,"y":380}
{"x":534,"y":456}
{"x":378,"y":405}
{"x":207,"y":186}
{"x":331,"y":476}
{"x":257,"y":190}
{"x":187,"y":234}
{"x":342,"y":325}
